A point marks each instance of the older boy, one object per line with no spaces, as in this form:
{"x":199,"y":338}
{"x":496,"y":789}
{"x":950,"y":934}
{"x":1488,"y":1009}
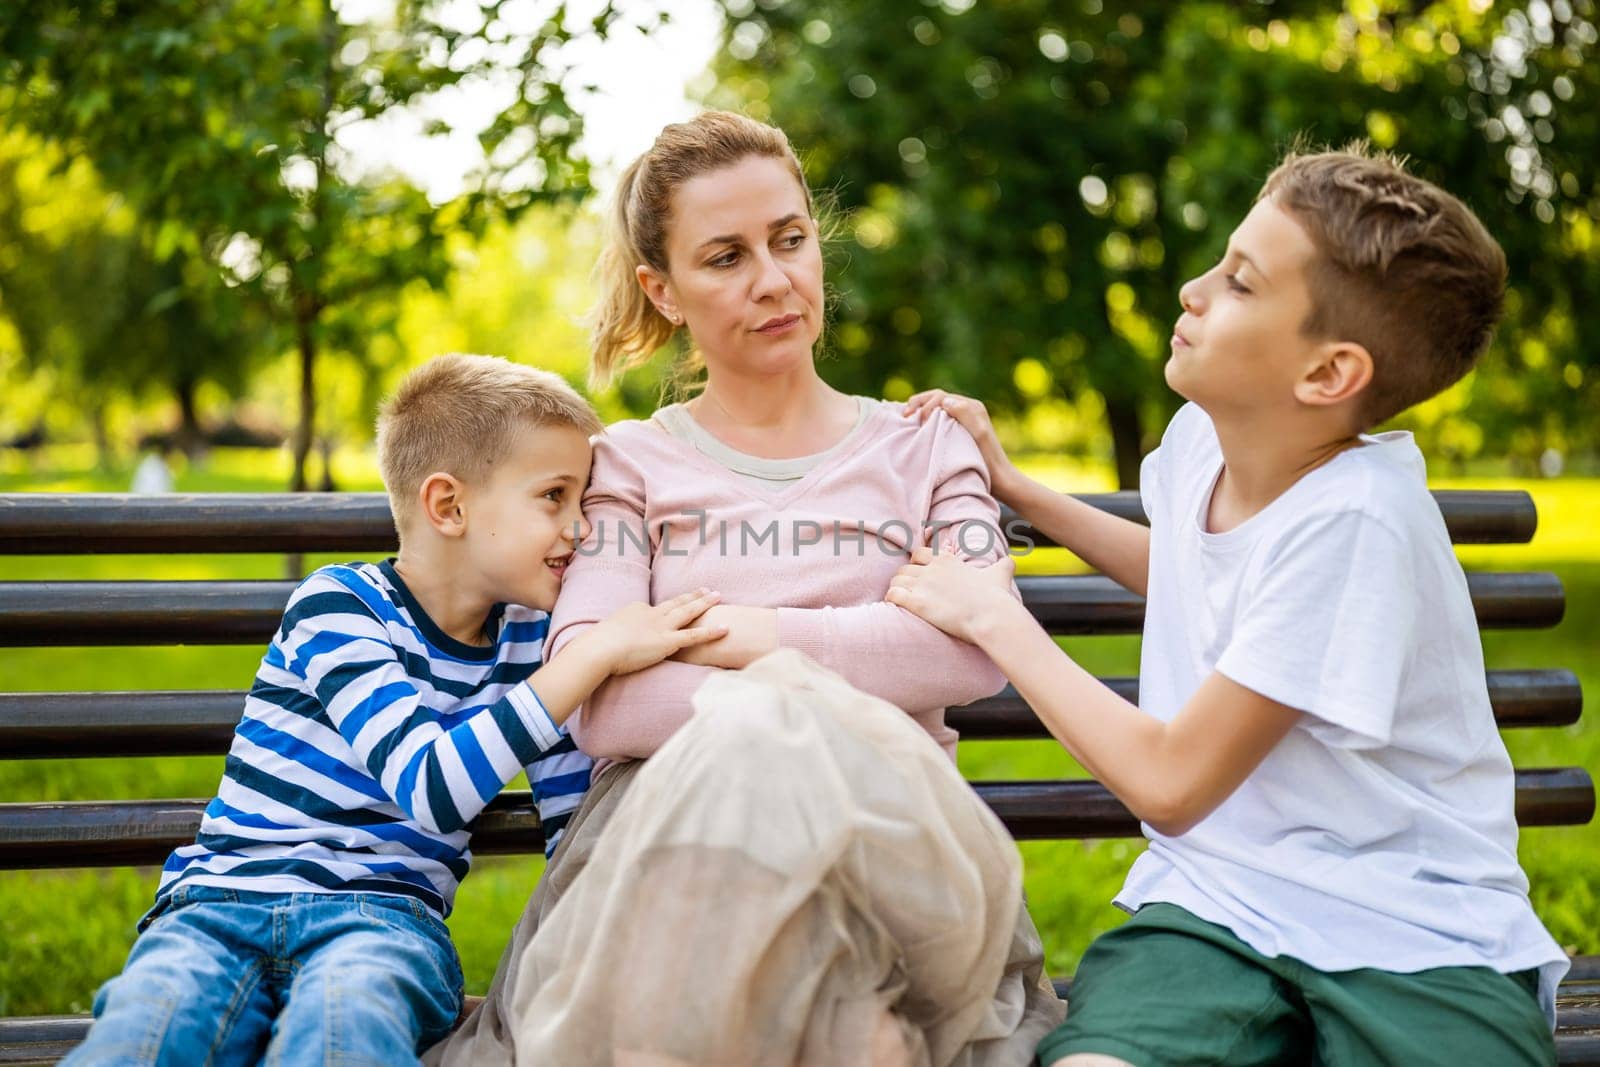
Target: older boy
{"x":1332,"y":871}
{"x":305,"y":924}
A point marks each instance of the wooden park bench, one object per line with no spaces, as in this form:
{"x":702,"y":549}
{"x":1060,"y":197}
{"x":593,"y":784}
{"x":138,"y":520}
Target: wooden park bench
{"x":185,"y":722}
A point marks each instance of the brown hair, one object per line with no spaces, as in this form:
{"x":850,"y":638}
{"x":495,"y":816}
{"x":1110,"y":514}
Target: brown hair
{"x":458,"y":414}
{"x":1403,"y":268}
{"x":626,"y":327}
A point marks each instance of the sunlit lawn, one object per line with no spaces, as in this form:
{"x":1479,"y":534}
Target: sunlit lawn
{"x":63,"y":932}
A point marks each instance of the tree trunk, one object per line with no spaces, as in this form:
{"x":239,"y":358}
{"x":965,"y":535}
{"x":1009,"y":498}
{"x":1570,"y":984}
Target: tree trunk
{"x":1127,"y":437}
{"x":308,"y":297}
{"x":305,"y":337}
{"x":190,"y":438}
{"x":304,"y":321}
{"x":325,"y":449}
{"x":102,"y":437}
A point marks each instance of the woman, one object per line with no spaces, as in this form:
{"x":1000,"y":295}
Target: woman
{"x":800,"y":875}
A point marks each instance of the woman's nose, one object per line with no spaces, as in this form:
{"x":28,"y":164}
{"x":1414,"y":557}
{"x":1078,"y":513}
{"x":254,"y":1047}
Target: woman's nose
{"x":772,"y":279}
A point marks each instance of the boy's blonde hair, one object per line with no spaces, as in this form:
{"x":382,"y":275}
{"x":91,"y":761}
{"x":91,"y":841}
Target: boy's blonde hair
{"x":1402,"y":268}
{"x":458,"y":414}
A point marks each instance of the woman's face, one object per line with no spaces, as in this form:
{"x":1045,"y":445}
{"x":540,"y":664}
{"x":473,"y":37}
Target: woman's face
{"x":744,"y":270}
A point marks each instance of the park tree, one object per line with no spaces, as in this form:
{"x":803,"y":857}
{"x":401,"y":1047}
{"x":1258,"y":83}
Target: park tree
{"x":221,"y":126}
{"x":88,"y":301}
{"x":1025,"y":185}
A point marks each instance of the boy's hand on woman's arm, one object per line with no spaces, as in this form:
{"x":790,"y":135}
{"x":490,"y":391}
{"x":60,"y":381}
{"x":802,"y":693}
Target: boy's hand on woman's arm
{"x":748,"y":633}
{"x":962,"y":599}
{"x":632,"y":638}
{"x":642,"y":635}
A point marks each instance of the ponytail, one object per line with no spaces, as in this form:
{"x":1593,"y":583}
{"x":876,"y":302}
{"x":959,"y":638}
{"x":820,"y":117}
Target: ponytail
{"x":626,"y":328}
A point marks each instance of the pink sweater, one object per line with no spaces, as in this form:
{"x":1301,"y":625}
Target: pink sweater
{"x":668,"y":519}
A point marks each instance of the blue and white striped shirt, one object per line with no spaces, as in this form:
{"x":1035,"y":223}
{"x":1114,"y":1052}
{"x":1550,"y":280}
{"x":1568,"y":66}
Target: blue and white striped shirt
{"x":368,"y":742}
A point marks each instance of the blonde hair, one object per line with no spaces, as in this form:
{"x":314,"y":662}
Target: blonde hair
{"x":459,"y":413}
{"x":626,"y":327}
{"x":1402,"y":268}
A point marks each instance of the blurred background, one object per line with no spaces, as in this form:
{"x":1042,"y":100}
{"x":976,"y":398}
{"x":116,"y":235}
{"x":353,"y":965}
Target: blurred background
{"x":226,"y":229}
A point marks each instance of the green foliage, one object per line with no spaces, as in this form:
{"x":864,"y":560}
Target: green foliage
{"x":1029,"y":183}
{"x":220,"y":124}
{"x":522,"y":291}
{"x":90,"y":303}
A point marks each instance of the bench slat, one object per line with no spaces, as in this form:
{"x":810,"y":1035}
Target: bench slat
{"x":81,"y":523}
{"x":137,"y":832}
{"x":40,"y":1038}
{"x":81,"y":613}
{"x":77,"y":523}
{"x":1520,"y":698}
{"x":184,"y":722}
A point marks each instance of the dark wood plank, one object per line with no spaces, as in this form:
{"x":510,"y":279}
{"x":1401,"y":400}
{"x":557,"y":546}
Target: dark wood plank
{"x":1472,"y":516}
{"x":40,"y":1038}
{"x":1520,"y":698}
{"x":1577,"y":1047}
{"x":106,"y":834}
{"x":91,"y":613}
{"x":74,"y":523}
{"x":174,"y":722}
{"x":1094,"y":604}
{"x":79,"y":613}
{"x":200,"y":722}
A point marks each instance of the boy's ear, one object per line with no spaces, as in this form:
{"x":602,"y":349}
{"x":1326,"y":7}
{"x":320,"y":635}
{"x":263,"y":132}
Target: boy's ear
{"x":1339,"y":372}
{"x":654,"y":284}
{"x":441,"y":498}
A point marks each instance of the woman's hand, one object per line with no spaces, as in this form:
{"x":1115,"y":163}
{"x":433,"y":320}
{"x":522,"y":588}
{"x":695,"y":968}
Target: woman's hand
{"x":749,"y":634}
{"x":974,"y":416}
{"x":962,"y":599}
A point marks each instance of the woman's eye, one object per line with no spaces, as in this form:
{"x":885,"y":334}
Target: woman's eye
{"x":554,"y":495}
{"x":1235,"y":284}
{"x":727,"y":259}
{"x":793,"y":240}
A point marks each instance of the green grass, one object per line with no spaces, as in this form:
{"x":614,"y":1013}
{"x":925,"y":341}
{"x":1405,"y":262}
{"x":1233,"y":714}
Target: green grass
{"x":63,"y":932}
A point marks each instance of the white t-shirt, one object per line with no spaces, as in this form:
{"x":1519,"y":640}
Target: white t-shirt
{"x":1380,"y":832}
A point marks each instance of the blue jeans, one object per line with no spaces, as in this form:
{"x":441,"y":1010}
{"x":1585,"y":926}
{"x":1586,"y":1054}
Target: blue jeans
{"x":223,"y":977}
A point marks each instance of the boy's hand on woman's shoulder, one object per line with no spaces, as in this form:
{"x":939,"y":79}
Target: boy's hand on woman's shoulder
{"x":642,"y":635}
{"x":972,"y":415}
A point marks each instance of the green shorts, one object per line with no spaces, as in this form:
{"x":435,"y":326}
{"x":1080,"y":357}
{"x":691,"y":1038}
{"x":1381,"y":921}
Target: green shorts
{"x":1169,"y":988}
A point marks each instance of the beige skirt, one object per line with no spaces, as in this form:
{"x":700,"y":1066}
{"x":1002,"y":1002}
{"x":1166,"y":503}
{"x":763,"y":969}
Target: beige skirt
{"x":799,"y":876}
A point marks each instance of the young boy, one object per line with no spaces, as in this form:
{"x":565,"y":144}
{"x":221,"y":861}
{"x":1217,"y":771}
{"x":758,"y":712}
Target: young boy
{"x":305,"y":924}
{"x":1332,"y":872}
